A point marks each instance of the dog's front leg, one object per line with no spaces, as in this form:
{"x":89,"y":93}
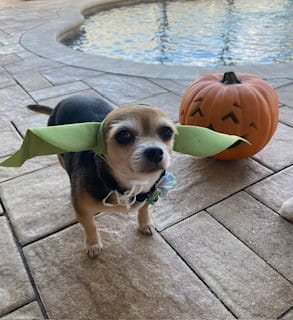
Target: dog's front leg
{"x":145,"y":223}
{"x":85,"y":210}
{"x":92,"y":238}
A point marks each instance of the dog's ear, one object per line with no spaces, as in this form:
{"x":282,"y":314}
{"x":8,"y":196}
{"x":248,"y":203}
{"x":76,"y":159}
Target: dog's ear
{"x":196,"y":141}
{"x":58,"y":139}
{"x":202,"y":142}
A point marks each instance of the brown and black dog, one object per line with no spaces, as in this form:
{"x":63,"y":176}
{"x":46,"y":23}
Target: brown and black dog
{"x":139,"y":140}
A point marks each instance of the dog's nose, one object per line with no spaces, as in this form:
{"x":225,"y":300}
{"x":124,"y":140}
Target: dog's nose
{"x":154,"y":154}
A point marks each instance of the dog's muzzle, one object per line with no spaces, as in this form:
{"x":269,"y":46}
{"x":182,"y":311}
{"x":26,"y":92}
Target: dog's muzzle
{"x":154,"y":154}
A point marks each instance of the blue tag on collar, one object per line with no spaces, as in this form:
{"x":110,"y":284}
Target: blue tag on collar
{"x":163,"y":186}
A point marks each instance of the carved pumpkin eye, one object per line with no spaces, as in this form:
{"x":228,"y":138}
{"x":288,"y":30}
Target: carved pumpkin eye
{"x":253,"y":125}
{"x":231,"y":115}
{"x":196,"y":108}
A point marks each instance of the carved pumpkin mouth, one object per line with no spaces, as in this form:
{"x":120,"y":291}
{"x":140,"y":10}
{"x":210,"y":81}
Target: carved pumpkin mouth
{"x":234,"y":145}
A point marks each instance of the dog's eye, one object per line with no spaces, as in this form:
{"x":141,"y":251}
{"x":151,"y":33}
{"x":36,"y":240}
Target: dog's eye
{"x":124,"y":136}
{"x":165,"y":133}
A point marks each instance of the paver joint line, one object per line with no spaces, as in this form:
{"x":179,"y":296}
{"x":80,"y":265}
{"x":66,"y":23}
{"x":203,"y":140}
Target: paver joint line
{"x":26,"y":266}
{"x":198,"y":275}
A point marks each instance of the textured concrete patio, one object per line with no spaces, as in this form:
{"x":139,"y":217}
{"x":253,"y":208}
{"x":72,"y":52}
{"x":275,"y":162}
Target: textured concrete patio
{"x":220,"y":250}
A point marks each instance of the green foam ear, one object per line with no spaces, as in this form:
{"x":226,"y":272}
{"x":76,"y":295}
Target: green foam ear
{"x":58,"y":139}
{"x":192,"y":140}
{"x":202,"y":142}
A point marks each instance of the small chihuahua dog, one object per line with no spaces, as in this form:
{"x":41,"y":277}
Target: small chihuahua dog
{"x":139,"y":140}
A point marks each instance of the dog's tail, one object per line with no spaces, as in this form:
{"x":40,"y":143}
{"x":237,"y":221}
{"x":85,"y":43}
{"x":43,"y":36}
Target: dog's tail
{"x":40,"y":108}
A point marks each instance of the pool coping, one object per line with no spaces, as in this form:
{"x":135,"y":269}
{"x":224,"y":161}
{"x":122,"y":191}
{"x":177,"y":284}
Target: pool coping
{"x":45,"y":41}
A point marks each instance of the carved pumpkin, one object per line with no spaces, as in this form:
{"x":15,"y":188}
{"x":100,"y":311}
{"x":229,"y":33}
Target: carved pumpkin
{"x":242,"y":105}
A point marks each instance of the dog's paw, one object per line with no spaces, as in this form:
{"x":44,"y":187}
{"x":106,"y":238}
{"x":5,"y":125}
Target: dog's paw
{"x":146,"y":230}
{"x":287,"y":209}
{"x":93,"y":250}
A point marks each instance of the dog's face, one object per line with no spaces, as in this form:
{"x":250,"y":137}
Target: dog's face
{"x":139,"y":140}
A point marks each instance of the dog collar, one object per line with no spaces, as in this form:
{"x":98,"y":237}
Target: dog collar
{"x":192,"y":140}
{"x":146,"y":196}
{"x":111,"y":184}
{"x":161,"y":187}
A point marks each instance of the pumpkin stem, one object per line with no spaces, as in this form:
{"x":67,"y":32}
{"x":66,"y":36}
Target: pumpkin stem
{"x":230,"y":78}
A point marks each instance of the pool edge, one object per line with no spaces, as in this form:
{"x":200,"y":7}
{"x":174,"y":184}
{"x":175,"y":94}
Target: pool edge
{"x":44,"y":41}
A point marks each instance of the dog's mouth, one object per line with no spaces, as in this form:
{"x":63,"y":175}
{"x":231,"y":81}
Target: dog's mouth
{"x":152,"y":167}
{"x":152,"y":170}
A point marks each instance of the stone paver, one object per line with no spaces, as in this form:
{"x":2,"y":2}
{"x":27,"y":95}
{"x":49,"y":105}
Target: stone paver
{"x":175,"y":86}
{"x":36,"y":64}
{"x":59,"y":90}
{"x":286,"y":116}
{"x":24,"y":55}
{"x":6,"y":38}
{"x":15,"y":288}
{"x":29,"y":312}
{"x":136,"y":277}
{"x":168,"y":102}
{"x":41,"y":208}
{"x":285,"y":95}
{"x":29,"y":166}
{"x":122,"y":90}
{"x":274,"y":190}
{"x":11,"y":48}
{"x":13,"y":101}
{"x":10,"y":58}
{"x":200,"y":185}
{"x":34,"y":120}
{"x":279,"y":82}
{"x":230,"y":268}
{"x":10,"y":139}
{"x":262,"y":230}
{"x":69,"y":74}
{"x":270,"y":71}
{"x":5,"y":79}
{"x":278,"y":154}
{"x":32,"y":81}
{"x":288,"y":316}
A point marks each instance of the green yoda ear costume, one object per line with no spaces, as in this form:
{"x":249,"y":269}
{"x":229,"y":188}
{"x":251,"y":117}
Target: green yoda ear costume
{"x":192,"y":140}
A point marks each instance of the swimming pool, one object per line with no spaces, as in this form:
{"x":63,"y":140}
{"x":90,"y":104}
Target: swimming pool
{"x":199,"y":33}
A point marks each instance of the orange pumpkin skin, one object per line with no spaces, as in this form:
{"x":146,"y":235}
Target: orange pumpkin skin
{"x":248,"y":109}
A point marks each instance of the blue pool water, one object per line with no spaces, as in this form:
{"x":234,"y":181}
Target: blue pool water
{"x":199,"y":32}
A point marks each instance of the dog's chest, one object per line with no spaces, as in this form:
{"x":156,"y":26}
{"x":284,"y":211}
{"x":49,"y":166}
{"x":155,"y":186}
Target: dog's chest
{"x":122,"y":202}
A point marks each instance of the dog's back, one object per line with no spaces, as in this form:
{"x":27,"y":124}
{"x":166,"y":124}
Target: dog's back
{"x":78,"y":109}
{"x":75,"y":109}
{"x":80,"y":166}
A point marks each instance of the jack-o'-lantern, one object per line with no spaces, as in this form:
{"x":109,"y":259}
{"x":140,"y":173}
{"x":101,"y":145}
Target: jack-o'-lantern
{"x":241,"y":104}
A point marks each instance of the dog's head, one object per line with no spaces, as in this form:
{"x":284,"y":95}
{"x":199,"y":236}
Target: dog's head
{"x":139,"y":140}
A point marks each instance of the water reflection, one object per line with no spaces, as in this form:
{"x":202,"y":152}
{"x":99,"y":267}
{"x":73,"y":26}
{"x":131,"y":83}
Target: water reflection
{"x":199,"y":32}
{"x":162,"y":35}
